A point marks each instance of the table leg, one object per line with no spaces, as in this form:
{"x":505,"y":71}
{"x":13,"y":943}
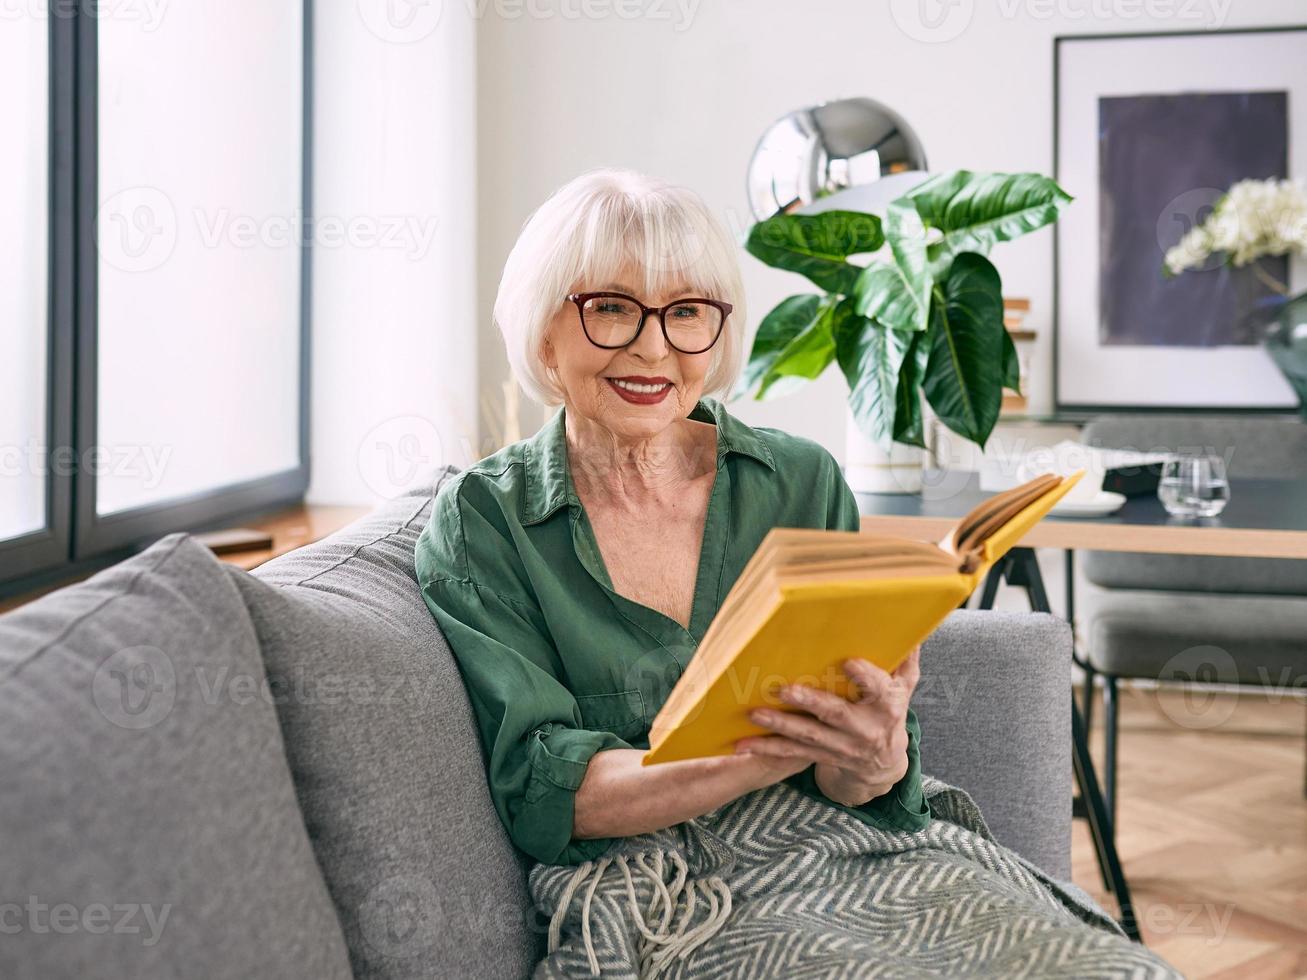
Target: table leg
{"x":1020,"y":568}
{"x":1070,"y":571}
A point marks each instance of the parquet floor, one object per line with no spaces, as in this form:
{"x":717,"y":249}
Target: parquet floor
{"x":1212,"y":829}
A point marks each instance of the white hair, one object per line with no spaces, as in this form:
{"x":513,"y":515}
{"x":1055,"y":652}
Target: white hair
{"x":584,"y":234}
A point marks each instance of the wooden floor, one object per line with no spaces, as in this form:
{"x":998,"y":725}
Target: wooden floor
{"x":1212,"y":829}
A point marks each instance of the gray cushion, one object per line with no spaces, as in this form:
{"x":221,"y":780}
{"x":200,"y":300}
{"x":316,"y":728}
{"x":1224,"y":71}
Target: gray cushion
{"x":1254,"y":448}
{"x":386,"y":756}
{"x":1199,"y":637}
{"x":1196,"y":573}
{"x":994,"y":703}
{"x":141,"y":765}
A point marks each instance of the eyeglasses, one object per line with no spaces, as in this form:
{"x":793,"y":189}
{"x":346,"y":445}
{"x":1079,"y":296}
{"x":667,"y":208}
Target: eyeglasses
{"x":612,"y":320}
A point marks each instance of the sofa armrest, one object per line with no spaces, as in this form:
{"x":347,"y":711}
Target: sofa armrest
{"x":995,"y":713}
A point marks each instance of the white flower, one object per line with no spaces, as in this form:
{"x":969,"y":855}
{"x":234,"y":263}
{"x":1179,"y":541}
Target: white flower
{"x":1255,"y":218}
{"x":1192,"y":250}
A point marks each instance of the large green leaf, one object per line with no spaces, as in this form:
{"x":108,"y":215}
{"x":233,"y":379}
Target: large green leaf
{"x":964,"y":372}
{"x":808,"y":353}
{"x":974,"y":211}
{"x":909,"y":426}
{"x":787,"y":320}
{"x":896,"y":292}
{"x":870,"y":354}
{"x":816,"y":245}
{"x":1011,"y":364}
{"x":790,"y":319}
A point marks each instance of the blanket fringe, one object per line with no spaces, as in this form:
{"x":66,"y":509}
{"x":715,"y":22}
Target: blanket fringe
{"x":662,"y":941}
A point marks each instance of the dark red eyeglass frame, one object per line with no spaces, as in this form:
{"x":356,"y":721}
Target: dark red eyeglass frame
{"x":580,"y":299}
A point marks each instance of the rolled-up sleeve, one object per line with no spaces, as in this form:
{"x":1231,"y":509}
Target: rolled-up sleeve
{"x":530,"y":725}
{"x":904,"y":806}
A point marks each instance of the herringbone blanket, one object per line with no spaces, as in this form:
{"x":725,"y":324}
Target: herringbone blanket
{"x":777,"y":884}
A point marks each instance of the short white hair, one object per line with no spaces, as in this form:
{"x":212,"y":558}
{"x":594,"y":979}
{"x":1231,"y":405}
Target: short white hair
{"x":583,"y":235}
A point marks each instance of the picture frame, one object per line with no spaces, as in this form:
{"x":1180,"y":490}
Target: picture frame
{"x":1148,"y":130}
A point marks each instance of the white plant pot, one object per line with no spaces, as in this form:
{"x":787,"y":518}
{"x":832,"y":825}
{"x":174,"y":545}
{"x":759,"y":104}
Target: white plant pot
{"x":870,"y":469}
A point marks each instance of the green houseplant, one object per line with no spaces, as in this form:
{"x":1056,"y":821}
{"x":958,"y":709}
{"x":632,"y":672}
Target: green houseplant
{"x":923,"y":318}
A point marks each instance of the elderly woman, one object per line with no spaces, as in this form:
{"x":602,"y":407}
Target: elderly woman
{"x":575,"y":572}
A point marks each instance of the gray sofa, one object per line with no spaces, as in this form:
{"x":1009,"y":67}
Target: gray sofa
{"x":211,"y":773}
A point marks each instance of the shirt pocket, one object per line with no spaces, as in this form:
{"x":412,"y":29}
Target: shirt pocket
{"x":621,"y":713}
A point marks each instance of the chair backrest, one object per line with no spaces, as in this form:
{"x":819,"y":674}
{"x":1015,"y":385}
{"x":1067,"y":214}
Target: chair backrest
{"x":1253,"y":447}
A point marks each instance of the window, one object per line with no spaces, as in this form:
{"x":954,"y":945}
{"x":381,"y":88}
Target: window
{"x":176,"y":399}
{"x":24,"y":272}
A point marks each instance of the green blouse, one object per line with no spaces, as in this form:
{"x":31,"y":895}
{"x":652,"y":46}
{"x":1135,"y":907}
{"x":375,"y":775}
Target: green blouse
{"x":559,"y":666}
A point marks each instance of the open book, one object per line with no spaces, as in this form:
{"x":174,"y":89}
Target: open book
{"x":808,"y":600}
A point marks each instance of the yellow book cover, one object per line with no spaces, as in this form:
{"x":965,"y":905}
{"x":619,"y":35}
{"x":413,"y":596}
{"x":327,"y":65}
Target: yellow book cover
{"x":809,"y":599}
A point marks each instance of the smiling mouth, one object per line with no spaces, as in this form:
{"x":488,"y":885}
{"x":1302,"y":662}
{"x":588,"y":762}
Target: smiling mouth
{"x":640,"y":388}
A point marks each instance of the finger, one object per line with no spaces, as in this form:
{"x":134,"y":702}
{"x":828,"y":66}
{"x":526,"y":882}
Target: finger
{"x":786,"y":748}
{"x":824,"y":705}
{"x":805,"y":728}
{"x":873,"y":682}
{"x":909,"y":672}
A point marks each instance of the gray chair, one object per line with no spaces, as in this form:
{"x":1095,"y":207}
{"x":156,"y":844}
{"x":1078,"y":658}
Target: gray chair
{"x":1196,"y":619}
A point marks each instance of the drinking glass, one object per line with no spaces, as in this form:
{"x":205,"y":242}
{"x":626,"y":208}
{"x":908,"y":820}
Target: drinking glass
{"x":1194,"y":486}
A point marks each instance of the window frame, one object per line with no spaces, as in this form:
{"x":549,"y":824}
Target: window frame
{"x":39,"y":550}
{"x":75,"y":536}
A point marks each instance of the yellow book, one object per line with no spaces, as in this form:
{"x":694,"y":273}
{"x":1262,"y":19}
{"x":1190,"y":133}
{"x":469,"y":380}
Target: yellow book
{"x":808,"y":600}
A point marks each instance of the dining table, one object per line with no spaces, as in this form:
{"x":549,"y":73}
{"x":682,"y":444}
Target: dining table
{"x":1263,"y":518}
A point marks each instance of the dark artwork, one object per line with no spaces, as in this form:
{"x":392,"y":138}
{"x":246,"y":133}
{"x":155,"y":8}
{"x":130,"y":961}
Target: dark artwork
{"x":1163,"y":161}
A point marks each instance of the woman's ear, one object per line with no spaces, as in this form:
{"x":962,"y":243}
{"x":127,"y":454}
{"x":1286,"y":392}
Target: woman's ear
{"x":547,"y":353}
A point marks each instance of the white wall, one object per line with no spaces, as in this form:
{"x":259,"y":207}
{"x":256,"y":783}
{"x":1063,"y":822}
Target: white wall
{"x":685,"y":91}
{"x":394,"y":360}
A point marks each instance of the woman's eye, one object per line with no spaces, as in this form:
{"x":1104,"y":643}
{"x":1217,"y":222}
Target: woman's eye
{"x":611,"y":307}
{"x":685,"y":312}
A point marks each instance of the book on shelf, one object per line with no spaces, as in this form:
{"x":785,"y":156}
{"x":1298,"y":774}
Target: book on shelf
{"x":810,"y":599}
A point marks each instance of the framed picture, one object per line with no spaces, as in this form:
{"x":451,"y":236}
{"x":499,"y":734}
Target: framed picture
{"x":1149,"y":130}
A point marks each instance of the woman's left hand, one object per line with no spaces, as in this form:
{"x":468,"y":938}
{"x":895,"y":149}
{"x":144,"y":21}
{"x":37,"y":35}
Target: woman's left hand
{"x":860,"y":747}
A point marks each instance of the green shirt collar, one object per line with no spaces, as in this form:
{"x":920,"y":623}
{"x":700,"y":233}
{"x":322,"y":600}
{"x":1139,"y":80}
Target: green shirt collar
{"x":548,"y":479}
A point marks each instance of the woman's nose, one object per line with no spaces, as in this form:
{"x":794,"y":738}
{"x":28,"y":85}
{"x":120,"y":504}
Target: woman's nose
{"x":651,"y":344}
